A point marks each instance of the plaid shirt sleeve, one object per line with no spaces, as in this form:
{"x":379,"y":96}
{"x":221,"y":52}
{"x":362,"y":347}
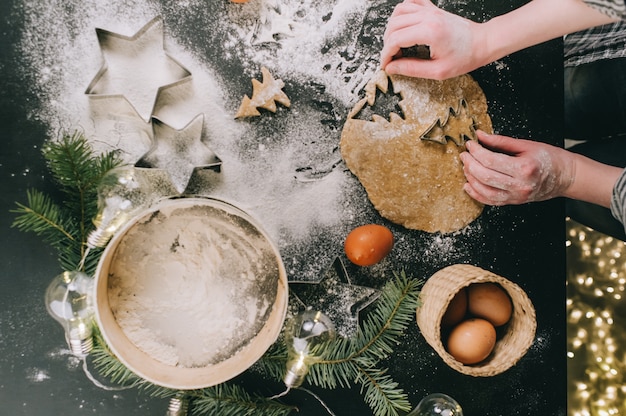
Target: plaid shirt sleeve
{"x":613,"y":8}
{"x":618,"y":200}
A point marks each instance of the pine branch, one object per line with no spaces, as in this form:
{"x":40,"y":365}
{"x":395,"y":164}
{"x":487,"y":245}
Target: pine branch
{"x":65,"y":224}
{"x":232,"y":400}
{"x":224,"y":399}
{"x":355,"y":359}
{"x":78,"y":170}
{"x":382,"y":394}
{"x":44,"y":218}
{"x":272,"y":363}
{"x":344,"y":362}
{"x":394,"y":313}
{"x":109,"y":366}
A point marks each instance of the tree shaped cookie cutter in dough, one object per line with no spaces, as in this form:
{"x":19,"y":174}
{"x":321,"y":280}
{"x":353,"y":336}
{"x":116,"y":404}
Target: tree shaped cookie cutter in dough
{"x":458,"y":126}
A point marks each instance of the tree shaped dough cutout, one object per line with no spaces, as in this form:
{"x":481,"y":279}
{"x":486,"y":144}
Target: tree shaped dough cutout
{"x":265,"y":95}
{"x":411,"y":172}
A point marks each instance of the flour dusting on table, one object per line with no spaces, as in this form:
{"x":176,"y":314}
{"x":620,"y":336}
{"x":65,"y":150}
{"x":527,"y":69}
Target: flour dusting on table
{"x":283,"y":168}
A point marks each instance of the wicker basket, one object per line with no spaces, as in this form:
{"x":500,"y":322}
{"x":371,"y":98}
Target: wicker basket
{"x":516,"y":336}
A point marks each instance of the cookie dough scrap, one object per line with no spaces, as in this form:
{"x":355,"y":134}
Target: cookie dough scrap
{"x":264,"y":95}
{"x":409,"y":165}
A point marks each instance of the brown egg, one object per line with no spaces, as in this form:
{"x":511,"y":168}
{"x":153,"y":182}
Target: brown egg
{"x":368,"y":244}
{"x":457,"y":308}
{"x":471,"y":341}
{"x":489,"y":301}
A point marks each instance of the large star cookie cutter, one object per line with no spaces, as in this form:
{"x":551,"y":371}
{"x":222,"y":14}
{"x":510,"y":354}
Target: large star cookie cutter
{"x":336,"y":296}
{"x":136,"y":68}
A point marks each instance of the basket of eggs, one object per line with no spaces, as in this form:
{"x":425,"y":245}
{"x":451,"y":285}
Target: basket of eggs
{"x":479,"y":323}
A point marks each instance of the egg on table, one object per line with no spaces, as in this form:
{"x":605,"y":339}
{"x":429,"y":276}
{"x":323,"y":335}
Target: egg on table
{"x":368,"y":244}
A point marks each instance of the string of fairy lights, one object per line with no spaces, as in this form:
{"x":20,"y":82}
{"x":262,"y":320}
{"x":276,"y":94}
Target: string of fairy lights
{"x":596,"y":350}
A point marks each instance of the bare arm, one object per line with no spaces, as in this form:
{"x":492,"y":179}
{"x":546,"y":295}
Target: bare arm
{"x":458,"y":45}
{"x":503,"y":171}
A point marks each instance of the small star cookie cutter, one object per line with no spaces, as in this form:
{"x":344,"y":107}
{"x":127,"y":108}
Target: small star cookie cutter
{"x":179,"y":152}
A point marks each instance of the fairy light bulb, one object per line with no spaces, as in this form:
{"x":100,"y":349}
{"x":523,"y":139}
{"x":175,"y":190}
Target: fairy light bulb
{"x":437,"y":404}
{"x":304,"y":333}
{"x":69,"y":300}
{"x":177,"y":406}
{"x":123,"y":193}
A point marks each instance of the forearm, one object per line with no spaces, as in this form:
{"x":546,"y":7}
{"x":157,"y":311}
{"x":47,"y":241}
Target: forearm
{"x":535,"y":22}
{"x":593,"y":181}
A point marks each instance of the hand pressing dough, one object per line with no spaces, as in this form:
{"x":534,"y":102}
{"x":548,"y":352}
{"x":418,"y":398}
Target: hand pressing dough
{"x":410,"y":165}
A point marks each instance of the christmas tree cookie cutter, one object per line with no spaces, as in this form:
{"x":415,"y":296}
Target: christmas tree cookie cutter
{"x":457,"y":125}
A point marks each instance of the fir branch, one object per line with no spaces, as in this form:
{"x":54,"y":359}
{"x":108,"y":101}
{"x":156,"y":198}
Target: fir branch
{"x":232,"y":400}
{"x":395,"y":311}
{"x":65,"y":224}
{"x":344,"y":362}
{"x":44,"y":218}
{"x":272,"y":363}
{"x":382,"y":394}
{"x":77,"y":170}
{"x":355,"y":359}
{"x":224,"y":399}
{"x":109,"y":366}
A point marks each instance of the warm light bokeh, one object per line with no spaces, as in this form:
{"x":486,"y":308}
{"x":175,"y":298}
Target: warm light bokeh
{"x":596,"y":350}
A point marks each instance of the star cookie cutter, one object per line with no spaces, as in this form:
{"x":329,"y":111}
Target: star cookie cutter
{"x":458,"y":126}
{"x":179,"y":152}
{"x":336,"y":296}
{"x":136,"y":68}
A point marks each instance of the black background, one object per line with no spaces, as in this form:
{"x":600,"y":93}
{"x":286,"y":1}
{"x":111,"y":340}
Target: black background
{"x":523,"y":243}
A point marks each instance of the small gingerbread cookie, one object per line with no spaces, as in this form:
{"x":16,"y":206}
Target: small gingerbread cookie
{"x":264,"y":95}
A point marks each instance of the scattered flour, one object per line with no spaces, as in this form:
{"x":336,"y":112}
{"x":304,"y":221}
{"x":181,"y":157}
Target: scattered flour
{"x":261,"y":159}
{"x":285,"y":168}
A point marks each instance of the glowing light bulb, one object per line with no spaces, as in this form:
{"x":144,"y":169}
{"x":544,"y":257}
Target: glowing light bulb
{"x":437,"y":404}
{"x":123,"y":193}
{"x":305,"y":332}
{"x":69,"y":300}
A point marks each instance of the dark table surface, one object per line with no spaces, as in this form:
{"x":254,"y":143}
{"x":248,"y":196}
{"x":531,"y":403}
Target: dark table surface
{"x":44,"y":72}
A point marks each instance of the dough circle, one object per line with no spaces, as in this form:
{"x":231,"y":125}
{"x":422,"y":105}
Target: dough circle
{"x":411,"y":181}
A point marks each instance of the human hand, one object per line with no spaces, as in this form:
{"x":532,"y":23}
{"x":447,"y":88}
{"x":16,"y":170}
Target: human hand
{"x":452,"y":41}
{"x":502,"y":170}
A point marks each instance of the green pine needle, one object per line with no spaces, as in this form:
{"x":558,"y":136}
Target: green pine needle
{"x":344,"y":362}
{"x":45,"y":218}
{"x":66,"y":222}
{"x":232,"y":400}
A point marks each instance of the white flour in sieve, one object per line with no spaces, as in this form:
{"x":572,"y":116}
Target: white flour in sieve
{"x":192,"y":286}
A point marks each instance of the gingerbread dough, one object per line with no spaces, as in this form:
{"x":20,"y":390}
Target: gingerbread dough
{"x":410,"y":167}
